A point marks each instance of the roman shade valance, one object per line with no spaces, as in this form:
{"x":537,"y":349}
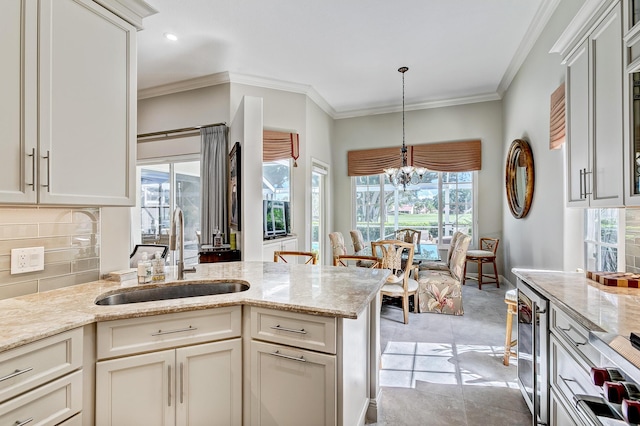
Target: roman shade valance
{"x":280,"y":146}
{"x":461,"y":156}
{"x":557,"y":118}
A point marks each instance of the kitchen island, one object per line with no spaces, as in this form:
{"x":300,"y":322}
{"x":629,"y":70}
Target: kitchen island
{"x":341,"y":304}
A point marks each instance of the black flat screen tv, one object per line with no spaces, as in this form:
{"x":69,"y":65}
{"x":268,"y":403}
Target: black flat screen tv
{"x":275,"y":215}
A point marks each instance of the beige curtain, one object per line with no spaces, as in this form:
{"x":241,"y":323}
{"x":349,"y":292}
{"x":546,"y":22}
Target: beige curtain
{"x":280,"y":146}
{"x":462,"y":156}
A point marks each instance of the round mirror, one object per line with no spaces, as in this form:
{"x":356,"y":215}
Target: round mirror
{"x":519,"y":178}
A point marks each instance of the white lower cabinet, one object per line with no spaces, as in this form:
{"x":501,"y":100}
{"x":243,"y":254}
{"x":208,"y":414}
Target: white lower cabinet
{"x":279,"y":244}
{"x":291,"y":386}
{"x":558,"y":413}
{"x":194,"y":385}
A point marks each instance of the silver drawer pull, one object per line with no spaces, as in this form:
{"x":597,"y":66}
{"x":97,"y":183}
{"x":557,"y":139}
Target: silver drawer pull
{"x":48,"y":158}
{"x":180,"y":330}
{"x":293,"y":358}
{"x":15,"y":373}
{"x":565,"y":380}
{"x":19,"y":423}
{"x":33,"y":169}
{"x":290,"y":330}
{"x":169,"y":385}
{"x":566,"y":330}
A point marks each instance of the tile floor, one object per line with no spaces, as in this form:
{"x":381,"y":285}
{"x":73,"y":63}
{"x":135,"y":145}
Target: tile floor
{"x":447,"y":370}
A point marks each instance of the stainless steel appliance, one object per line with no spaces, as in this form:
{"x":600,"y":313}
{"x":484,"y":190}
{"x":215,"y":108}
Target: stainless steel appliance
{"x":533,"y":370}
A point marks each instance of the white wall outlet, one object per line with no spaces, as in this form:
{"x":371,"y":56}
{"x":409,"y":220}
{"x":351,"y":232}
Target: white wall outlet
{"x":27,"y":260}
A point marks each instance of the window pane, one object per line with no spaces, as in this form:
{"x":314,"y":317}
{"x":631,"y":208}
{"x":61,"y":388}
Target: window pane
{"x":187,"y":193}
{"x":367,"y":209}
{"x":609,"y":226}
{"x":275,"y":180}
{"x":608,"y":259}
{"x":155,"y":204}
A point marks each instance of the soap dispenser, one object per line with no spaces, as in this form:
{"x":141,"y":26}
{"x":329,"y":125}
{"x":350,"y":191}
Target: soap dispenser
{"x":158,"y":267}
{"x":144,"y":269}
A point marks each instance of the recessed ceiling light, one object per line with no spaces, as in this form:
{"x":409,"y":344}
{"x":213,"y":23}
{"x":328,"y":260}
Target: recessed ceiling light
{"x":171,"y":36}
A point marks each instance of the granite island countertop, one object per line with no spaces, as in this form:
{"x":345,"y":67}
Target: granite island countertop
{"x":610,"y":313}
{"x":311,"y":289}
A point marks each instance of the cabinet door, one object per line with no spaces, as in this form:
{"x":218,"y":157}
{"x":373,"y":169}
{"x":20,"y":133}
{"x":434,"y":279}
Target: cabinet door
{"x":290,"y":245}
{"x":136,"y":390}
{"x":18,"y":111}
{"x":291,"y":386}
{"x":559,"y":415}
{"x":268,"y":249}
{"x":577,"y":87}
{"x":87,"y":109}
{"x":209,"y":384}
{"x":606,"y":54}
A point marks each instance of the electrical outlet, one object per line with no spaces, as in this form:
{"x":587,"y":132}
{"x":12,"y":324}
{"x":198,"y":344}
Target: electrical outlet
{"x":27,"y":260}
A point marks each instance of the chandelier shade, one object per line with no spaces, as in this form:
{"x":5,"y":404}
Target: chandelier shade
{"x":407,"y":173}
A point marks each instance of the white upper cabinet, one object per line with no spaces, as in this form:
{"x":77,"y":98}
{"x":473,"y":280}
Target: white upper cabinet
{"x":69,"y":118}
{"x":594,"y":88}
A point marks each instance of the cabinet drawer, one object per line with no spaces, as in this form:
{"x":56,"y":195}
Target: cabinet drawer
{"x":289,"y":328}
{"x":136,"y":335}
{"x":574,"y":335}
{"x":567,"y":375}
{"x":49,"y":404}
{"x":31,"y":365}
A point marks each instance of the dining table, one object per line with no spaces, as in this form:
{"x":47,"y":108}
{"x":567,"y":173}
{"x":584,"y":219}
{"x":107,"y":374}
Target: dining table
{"x":421,"y":253}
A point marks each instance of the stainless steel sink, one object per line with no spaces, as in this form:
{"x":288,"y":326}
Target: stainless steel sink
{"x":172,"y":291}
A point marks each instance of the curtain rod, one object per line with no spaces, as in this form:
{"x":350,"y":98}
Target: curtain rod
{"x":185,"y":129}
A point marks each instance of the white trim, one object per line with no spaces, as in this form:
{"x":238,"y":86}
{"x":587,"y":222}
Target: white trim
{"x":540,"y":20}
{"x":579,"y":25}
{"x":132,"y":11}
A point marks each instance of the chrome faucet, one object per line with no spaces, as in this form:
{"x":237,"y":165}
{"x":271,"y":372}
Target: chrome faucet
{"x":178,"y":216}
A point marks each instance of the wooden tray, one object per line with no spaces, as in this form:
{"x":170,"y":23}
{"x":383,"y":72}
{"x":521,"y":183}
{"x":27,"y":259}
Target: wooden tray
{"x":615,"y":279}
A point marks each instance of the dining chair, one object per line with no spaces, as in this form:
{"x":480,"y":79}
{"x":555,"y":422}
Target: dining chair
{"x":409,"y":235}
{"x":360,"y":261}
{"x":399,"y":283}
{"x":337,"y":244}
{"x":357,"y":239}
{"x":443,"y":265}
{"x":305,"y":257}
{"x":486,"y":253}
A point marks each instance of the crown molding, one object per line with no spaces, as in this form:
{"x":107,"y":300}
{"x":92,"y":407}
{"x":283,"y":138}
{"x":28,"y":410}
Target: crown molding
{"x":486,"y":97}
{"x":185,"y":85}
{"x":540,"y":20}
{"x":132,"y":11}
{"x":580,"y":24}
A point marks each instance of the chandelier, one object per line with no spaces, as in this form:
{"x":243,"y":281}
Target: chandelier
{"x":407,"y":174}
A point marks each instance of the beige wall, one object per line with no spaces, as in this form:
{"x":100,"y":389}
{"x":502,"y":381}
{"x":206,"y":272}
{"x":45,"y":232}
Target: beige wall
{"x":473,"y":121}
{"x":71,"y":241}
{"x":550,"y":237}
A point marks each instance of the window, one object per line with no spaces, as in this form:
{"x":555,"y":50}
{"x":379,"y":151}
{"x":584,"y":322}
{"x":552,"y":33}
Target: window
{"x":439,"y":205}
{"x":162,"y":187}
{"x":276,"y":178}
{"x":602,"y":237}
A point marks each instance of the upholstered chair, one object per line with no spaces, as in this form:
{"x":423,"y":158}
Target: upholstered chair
{"x":337,"y":244}
{"x":442,"y":265}
{"x":440,"y":291}
{"x":357,"y":239}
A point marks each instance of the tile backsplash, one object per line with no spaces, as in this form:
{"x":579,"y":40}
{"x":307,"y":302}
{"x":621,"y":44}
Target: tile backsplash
{"x":71,"y":241}
{"x":632,"y":240}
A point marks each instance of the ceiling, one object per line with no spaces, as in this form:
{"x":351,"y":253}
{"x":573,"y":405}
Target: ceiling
{"x":345,"y":53}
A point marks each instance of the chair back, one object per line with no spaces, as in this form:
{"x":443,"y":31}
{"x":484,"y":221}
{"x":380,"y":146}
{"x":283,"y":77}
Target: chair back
{"x":337,"y":244}
{"x":305,"y":257}
{"x":452,"y":245}
{"x":459,"y":257}
{"x":389,"y":253}
{"x":357,"y":239}
{"x":356,"y":260}
{"x":150,"y":249}
{"x":409,"y":235}
{"x":489,"y":244}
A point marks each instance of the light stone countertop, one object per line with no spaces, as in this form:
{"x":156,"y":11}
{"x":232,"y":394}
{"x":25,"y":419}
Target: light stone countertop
{"x":312,"y":289}
{"x":610,"y":313}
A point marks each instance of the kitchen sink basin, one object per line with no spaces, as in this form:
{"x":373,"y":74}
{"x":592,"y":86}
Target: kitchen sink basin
{"x":172,"y":291}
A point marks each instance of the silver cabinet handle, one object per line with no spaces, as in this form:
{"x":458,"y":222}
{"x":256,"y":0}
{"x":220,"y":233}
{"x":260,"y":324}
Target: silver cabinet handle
{"x":181,"y":383}
{"x":169,"y":386}
{"x":290,"y":330}
{"x":585,"y":183}
{"x":566,"y":330}
{"x":293,"y":358}
{"x":180,"y":330}
{"x":565,"y":380}
{"x":15,"y":373}
{"x":581,"y":184}
{"x":24,"y":422}
{"x":33,"y":169}
{"x":48,"y":158}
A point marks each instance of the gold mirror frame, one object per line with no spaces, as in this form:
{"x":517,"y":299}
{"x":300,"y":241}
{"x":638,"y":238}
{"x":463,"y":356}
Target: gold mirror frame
{"x":520,"y":178}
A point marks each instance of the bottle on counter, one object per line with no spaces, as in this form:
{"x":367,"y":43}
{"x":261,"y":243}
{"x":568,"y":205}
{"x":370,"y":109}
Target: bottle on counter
{"x":144,"y":269}
{"x":158,"y":267}
{"x":217,"y":239}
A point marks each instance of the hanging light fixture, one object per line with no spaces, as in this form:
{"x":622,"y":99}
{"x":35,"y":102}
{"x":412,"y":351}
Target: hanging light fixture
{"x":406,"y":174}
